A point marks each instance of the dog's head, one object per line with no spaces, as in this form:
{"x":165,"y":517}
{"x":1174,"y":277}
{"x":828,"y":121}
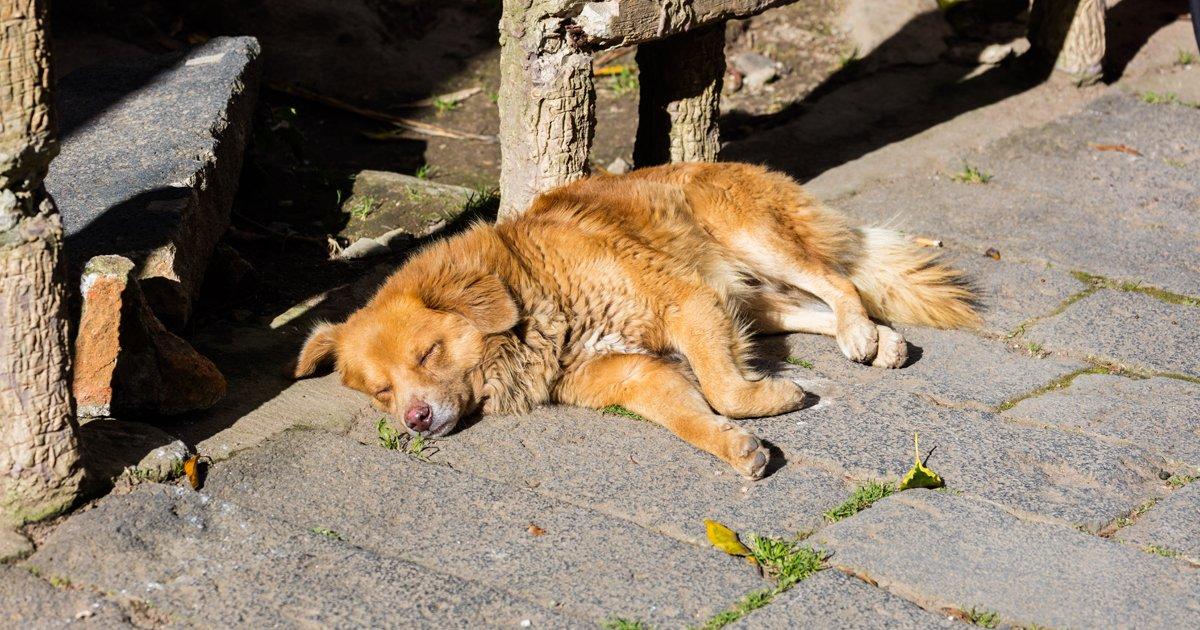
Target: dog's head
{"x":417,"y":348}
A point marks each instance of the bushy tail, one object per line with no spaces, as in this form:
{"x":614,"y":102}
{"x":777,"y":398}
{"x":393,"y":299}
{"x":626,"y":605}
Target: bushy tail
{"x":902,"y":282}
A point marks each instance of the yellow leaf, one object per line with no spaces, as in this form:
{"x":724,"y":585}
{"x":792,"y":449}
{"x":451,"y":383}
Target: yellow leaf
{"x":725,"y":539}
{"x":920,"y":476}
{"x":193,"y":469}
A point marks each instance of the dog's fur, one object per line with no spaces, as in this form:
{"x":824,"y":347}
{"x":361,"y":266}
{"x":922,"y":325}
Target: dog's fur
{"x":640,"y":290}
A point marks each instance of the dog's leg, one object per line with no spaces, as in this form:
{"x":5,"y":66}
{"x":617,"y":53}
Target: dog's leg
{"x":774,"y":313}
{"x":657,"y":390}
{"x":705,"y":333}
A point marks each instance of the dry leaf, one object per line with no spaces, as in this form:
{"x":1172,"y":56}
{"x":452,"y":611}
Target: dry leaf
{"x":1117,"y":147}
{"x":608,"y":71}
{"x":194,"y":468}
{"x":992,"y":253}
{"x":919,"y":476}
{"x":725,"y":539}
{"x":535,"y":530}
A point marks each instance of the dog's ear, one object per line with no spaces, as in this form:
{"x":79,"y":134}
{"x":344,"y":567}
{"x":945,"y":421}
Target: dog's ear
{"x":483,"y":300}
{"x":318,"y":349}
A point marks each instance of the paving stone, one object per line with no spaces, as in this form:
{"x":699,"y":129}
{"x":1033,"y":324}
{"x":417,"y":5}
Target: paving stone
{"x":1160,"y":413}
{"x":951,"y":366}
{"x":1055,"y":197}
{"x":1130,"y":328}
{"x":27,"y":601}
{"x":832,"y":599}
{"x":1012,"y":292}
{"x":951,"y":552}
{"x":1172,"y":524}
{"x":208,"y":562}
{"x":595,"y":566}
{"x":151,"y":156}
{"x":637,"y":470}
{"x":868,"y":434}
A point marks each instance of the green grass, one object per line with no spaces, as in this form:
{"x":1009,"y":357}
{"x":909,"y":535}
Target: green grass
{"x":618,"y":410}
{"x":1178,"y":481}
{"x":786,"y":561}
{"x":621,"y":623}
{"x":971,"y":175}
{"x":492,"y":95}
{"x":442,"y":106}
{"x":848,"y":61}
{"x":1186,"y":58}
{"x":804,"y":363}
{"x":328,"y":533}
{"x":363,"y":207}
{"x":1159,"y":98}
{"x":59,"y":582}
{"x":414,"y":446}
{"x":1102,"y":282}
{"x":389,"y":438}
{"x":1132,"y":517}
{"x":1059,"y":383}
{"x":863,"y":497}
{"x":626,"y":82}
{"x":1162,"y":551}
{"x":426,"y":171}
{"x":742,"y":607}
{"x":482,"y":201}
{"x":1033,"y":347}
{"x":417,"y":444}
{"x":983,"y":618}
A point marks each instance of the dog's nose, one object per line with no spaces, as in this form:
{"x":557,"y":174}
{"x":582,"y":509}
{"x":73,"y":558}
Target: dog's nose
{"x":417,"y":416}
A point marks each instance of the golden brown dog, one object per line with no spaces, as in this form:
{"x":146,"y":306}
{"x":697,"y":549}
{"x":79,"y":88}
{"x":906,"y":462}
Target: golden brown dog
{"x":642,"y":291}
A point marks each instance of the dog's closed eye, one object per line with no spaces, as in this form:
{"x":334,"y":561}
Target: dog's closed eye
{"x":384,"y":393}
{"x":430,"y":352}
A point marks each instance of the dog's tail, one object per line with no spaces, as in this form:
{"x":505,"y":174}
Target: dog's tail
{"x":900,"y":281}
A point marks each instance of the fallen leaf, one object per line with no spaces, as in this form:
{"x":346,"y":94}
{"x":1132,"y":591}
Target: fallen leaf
{"x":920,"y":476}
{"x":992,"y":253}
{"x":608,"y":71}
{"x":535,"y":530}
{"x":1117,"y":147}
{"x":725,"y":539}
{"x":194,"y":468}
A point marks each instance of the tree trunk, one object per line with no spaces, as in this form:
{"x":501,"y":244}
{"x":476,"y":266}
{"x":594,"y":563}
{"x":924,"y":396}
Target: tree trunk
{"x":39,"y":455}
{"x":547,"y":105}
{"x":1070,"y":33}
{"x":680,"y":79}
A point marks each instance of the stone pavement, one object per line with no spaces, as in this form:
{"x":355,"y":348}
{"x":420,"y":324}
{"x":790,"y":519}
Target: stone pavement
{"x":1067,"y":430}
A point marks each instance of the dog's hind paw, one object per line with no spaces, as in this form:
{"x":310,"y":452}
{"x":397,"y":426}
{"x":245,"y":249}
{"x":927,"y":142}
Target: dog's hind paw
{"x":858,"y":339}
{"x":893,"y":349}
{"x":749,"y":456}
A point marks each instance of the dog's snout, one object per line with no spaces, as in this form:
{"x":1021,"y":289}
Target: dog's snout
{"x":418,"y":415}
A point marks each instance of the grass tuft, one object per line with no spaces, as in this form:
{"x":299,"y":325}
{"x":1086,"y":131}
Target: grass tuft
{"x":328,"y":533}
{"x":786,"y":561}
{"x":804,"y":363}
{"x":971,"y":175}
{"x":363,"y":207}
{"x":442,"y":105}
{"x":621,"y":623}
{"x":1162,"y":551}
{"x":1186,"y":58}
{"x":618,"y":410}
{"x":624,"y":82}
{"x":425,"y":171}
{"x":1178,"y":481}
{"x":742,"y":607}
{"x":1132,"y":517}
{"x":863,"y":497}
{"x":983,"y":618}
{"x":1159,"y":98}
{"x":414,"y":446}
{"x":1101,"y":282}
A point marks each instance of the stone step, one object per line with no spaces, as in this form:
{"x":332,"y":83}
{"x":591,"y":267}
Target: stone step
{"x":576,"y":560}
{"x":953,"y":553}
{"x":203,"y":561}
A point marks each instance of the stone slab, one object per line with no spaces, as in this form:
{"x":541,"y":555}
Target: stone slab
{"x":636,"y":470}
{"x":1054,"y":196}
{"x":1172,"y":525}
{"x":206,"y":562}
{"x":393,"y":209}
{"x":588,"y":564}
{"x":832,"y":599}
{"x":1012,"y":291}
{"x":27,"y":601}
{"x":1159,"y":413}
{"x":868,"y":434}
{"x":950,"y":552}
{"x":150,"y":161}
{"x":950,"y":366}
{"x":1130,"y":328}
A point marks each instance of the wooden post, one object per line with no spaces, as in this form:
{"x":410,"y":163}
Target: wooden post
{"x":39,"y":455}
{"x":1070,"y":33}
{"x":680,"y":79}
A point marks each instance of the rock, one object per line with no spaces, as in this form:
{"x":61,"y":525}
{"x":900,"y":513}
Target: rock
{"x":28,"y":601}
{"x":125,"y":359}
{"x":619,"y":167}
{"x":954,"y":553}
{"x":898,"y":32}
{"x":13,"y":546}
{"x":150,"y":161}
{"x":116,"y":448}
{"x":757,"y":70}
{"x":388,"y":210}
{"x":995,"y":53}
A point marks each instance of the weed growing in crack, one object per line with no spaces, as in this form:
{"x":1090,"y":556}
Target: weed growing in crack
{"x":983,"y":618}
{"x":618,"y":410}
{"x":863,"y":497}
{"x":971,"y":175}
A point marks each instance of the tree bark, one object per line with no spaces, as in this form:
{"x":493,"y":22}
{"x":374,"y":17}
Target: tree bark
{"x":547,"y":105}
{"x":39,"y":456}
{"x":1071,"y":33}
{"x":680,"y":79}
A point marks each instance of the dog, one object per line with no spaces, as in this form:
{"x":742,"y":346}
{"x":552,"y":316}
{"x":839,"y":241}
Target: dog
{"x":641,"y":290}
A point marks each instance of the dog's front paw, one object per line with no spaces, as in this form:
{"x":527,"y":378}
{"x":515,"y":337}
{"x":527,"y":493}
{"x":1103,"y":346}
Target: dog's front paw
{"x":858,"y":338}
{"x":893,"y":349}
{"x":747,"y":454}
